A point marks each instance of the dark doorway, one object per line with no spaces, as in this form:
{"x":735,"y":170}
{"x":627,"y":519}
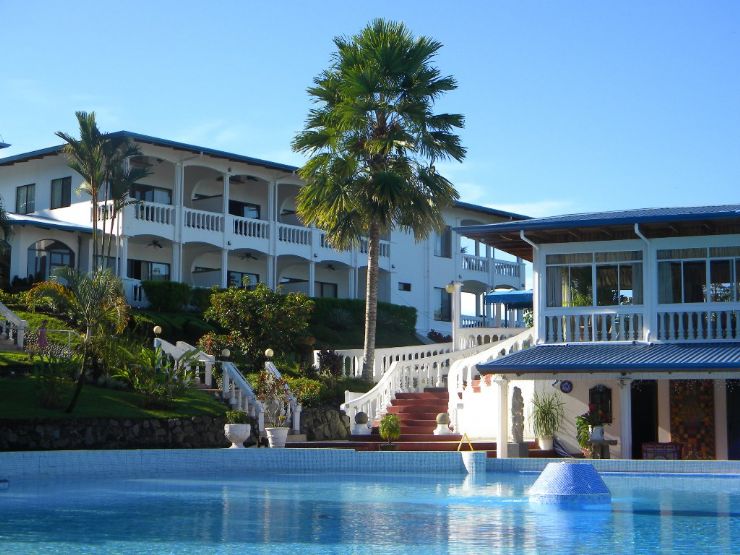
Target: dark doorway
{"x":733,"y":419}
{"x":644,"y":415}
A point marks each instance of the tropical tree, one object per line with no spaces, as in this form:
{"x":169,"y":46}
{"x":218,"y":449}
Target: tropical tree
{"x":372,"y":141}
{"x":102,"y":158}
{"x":93,"y":301}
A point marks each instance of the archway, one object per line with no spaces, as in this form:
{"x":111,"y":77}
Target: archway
{"x":45,"y":256}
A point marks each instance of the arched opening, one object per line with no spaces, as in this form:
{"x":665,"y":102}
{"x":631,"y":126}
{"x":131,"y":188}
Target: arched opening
{"x":45,"y":256}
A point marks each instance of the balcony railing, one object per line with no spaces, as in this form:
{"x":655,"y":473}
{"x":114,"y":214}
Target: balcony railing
{"x":203,"y":220}
{"x":385,"y":247}
{"x":248,"y":227}
{"x":573,"y":325}
{"x":475,"y":263}
{"x":155,"y":213}
{"x":295,"y":234}
{"x":716,"y":322}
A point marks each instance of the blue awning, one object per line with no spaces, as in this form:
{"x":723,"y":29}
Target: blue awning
{"x":513,"y":299}
{"x":46,"y":223}
{"x":620,"y":357}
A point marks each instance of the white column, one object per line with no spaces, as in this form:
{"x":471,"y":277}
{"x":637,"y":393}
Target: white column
{"x":224,"y":268}
{"x":270,"y":272}
{"x":123,"y":267}
{"x":225,"y":204}
{"x":720,"y":419}
{"x":625,"y":417}
{"x":311,"y":278}
{"x":502,"y":438}
{"x":228,"y":226}
{"x":176,"y":273}
{"x":664,"y":411}
{"x":351,"y":281}
{"x":454,"y":290}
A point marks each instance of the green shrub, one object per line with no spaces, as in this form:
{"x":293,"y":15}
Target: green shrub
{"x":168,"y":296}
{"x":390,"y":427}
{"x":236,"y":417}
{"x":200,"y":297}
{"x":330,"y":364}
{"x":308,"y":392}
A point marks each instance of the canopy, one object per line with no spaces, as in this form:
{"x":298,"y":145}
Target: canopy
{"x":512,"y":299}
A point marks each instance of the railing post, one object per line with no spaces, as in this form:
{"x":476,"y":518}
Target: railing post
{"x":297,"y":418}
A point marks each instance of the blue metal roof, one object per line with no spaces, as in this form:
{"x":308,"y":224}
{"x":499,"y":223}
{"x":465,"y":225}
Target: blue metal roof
{"x":518,"y":298}
{"x":490,"y":211}
{"x":623,"y":217}
{"x":617,"y":357}
{"x":47,"y":223}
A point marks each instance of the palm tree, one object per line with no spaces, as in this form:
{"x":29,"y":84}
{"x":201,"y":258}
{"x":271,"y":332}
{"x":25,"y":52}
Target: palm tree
{"x":87,"y":156}
{"x":372,"y":141}
{"x":94,"y":301}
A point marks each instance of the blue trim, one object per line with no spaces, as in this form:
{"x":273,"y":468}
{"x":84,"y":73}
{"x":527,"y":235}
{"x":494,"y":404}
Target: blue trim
{"x":46,"y":223}
{"x":490,"y":211}
{"x":524,"y":298}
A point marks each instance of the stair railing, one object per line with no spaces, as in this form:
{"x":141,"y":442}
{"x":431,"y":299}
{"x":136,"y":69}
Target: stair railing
{"x":12,"y":326}
{"x":463,"y":370}
{"x":403,"y":377}
{"x":294,"y":407}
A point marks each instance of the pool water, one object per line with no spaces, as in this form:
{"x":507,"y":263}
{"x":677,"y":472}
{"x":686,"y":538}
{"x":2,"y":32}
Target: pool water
{"x":324,"y":513}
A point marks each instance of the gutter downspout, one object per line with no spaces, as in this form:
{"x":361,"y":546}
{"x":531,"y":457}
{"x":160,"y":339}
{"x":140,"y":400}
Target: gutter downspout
{"x":537,"y":296}
{"x":647,"y":291}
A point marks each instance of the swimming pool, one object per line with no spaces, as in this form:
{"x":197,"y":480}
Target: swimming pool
{"x":350,"y":513}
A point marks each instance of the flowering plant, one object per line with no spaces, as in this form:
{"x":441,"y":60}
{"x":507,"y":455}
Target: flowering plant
{"x":595,"y":416}
{"x":272,"y":391}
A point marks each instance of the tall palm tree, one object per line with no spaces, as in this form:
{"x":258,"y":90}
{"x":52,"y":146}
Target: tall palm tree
{"x":94,"y":301}
{"x":372,"y":141}
{"x":87,"y":156}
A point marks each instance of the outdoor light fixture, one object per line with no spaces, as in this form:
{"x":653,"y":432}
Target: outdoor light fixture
{"x":269,"y":353}
{"x":226,"y":353}
{"x":157,"y":330}
{"x":450,"y":287}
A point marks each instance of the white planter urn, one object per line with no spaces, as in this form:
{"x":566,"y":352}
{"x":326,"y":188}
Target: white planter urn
{"x":545,"y":443}
{"x":276,"y":436}
{"x":237,"y":434}
{"x":597,"y":433}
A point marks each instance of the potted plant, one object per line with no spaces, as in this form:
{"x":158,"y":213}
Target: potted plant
{"x":272,"y":392}
{"x":390,"y":430}
{"x":236,"y":428}
{"x":589,"y":427}
{"x":547,"y":416}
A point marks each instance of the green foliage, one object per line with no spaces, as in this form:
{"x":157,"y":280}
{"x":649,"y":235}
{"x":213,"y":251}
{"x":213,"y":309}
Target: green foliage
{"x":176,"y":326}
{"x":236,"y":417}
{"x":168,"y":296}
{"x":200,"y":298}
{"x":528,"y":317}
{"x":156,"y":377}
{"x":260,"y":318}
{"x":390,"y":427}
{"x":309,"y":392}
{"x":548,"y":413}
{"x":583,"y":432}
{"x":54,"y":373}
{"x":330,"y":364}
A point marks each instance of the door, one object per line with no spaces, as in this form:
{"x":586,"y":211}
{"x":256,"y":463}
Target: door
{"x":644,"y":414}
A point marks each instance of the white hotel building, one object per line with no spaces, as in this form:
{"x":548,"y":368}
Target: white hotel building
{"x":207,"y":217}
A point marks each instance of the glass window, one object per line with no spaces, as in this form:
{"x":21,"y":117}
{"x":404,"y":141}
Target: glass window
{"x":443,"y":243}
{"x":694,"y":281}
{"x":667,"y":254}
{"x":722,"y":282}
{"x":61,"y":192}
{"x":576,"y":258}
{"x":243,"y":279}
{"x":144,"y":270}
{"x":244,"y":209}
{"x":600,"y":397}
{"x":403,"y":286}
{"x":619,"y":256}
{"x":619,"y":284}
{"x":25,"y":199}
{"x":442,"y":305}
{"x":148,"y":193}
{"x":669,"y":282}
{"x":607,"y":285}
{"x":324,"y":289}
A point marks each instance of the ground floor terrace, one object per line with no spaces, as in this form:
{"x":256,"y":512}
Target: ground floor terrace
{"x":657,"y":400}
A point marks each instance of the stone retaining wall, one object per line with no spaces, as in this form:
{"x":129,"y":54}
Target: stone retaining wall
{"x":112,"y":433}
{"x":320,"y":424}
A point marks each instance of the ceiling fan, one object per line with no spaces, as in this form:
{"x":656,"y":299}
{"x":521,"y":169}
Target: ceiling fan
{"x":249,"y":256}
{"x":154,"y":243}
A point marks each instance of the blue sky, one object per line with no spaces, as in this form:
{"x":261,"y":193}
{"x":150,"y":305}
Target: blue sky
{"x":570,"y":106}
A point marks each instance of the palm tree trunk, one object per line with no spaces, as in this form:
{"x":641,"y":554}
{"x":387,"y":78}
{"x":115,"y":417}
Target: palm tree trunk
{"x":94,"y":195}
{"x":371,"y":301}
{"x":80,"y":381}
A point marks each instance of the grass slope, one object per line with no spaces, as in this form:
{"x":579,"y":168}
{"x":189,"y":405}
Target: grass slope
{"x":18,"y":401}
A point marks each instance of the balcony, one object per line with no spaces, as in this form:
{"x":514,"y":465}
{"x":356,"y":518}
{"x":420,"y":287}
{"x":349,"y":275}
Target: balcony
{"x":700,"y":322}
{"x":594,"y":324}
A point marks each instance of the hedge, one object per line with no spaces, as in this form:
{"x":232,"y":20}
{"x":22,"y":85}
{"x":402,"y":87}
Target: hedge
{"x":166,"y":296}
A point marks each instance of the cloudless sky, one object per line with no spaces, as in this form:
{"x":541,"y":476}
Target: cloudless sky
{"x":570,"y":106}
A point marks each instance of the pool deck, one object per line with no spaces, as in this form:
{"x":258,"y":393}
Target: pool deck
{"x":178,"y":462}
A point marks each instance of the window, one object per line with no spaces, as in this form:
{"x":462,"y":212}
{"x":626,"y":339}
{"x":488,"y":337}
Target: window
{"x":442,"y":305}
{"x":25,"y":199}
{"x":601,"y":397}
{"x":61,"y":192}
{"x":149,"y":193}
{"x":143,"y":270}
{"x":712,"y":276}
{"x":443,"y":243}
{"x":45,"y":256}
{"x":244,"y":209}
{"x":243,"y":279}
{"x":324,"y":289}
{"x":402,"y":286}
{"x":617,"y":277}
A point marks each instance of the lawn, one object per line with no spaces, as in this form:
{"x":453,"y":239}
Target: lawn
{"x":18,"y":401}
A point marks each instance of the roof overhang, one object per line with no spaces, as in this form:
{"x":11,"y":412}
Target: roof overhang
{"x":620,"y":360}
{"x":606,"y":226}
{"x":512,"y":299}
{"x":46,"y":223}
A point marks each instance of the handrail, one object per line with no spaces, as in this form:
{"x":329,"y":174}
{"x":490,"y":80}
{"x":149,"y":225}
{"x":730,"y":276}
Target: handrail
{"x":294,"y":407}
{"x":463,"y":370}
{"x":12,"y":323}
{"x":404,"y":376}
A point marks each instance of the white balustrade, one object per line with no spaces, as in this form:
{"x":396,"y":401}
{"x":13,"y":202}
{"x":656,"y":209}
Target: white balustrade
{"x":405,"y":376}
{"x":203,"y":220}
{"x":705,"y":323}
{"x":472,"y":337}
{"x":248,"y":227}
{"x":475,"y":263}
{"x":464,"y":370}
{"x":294,"y":234}
{"x":134,"y":292}
{"x":575,"y":325}
{"x":505,"y":268}
{"x":384,"y":247}
{"x":155,"y":213}
{"x":12,"y":326}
